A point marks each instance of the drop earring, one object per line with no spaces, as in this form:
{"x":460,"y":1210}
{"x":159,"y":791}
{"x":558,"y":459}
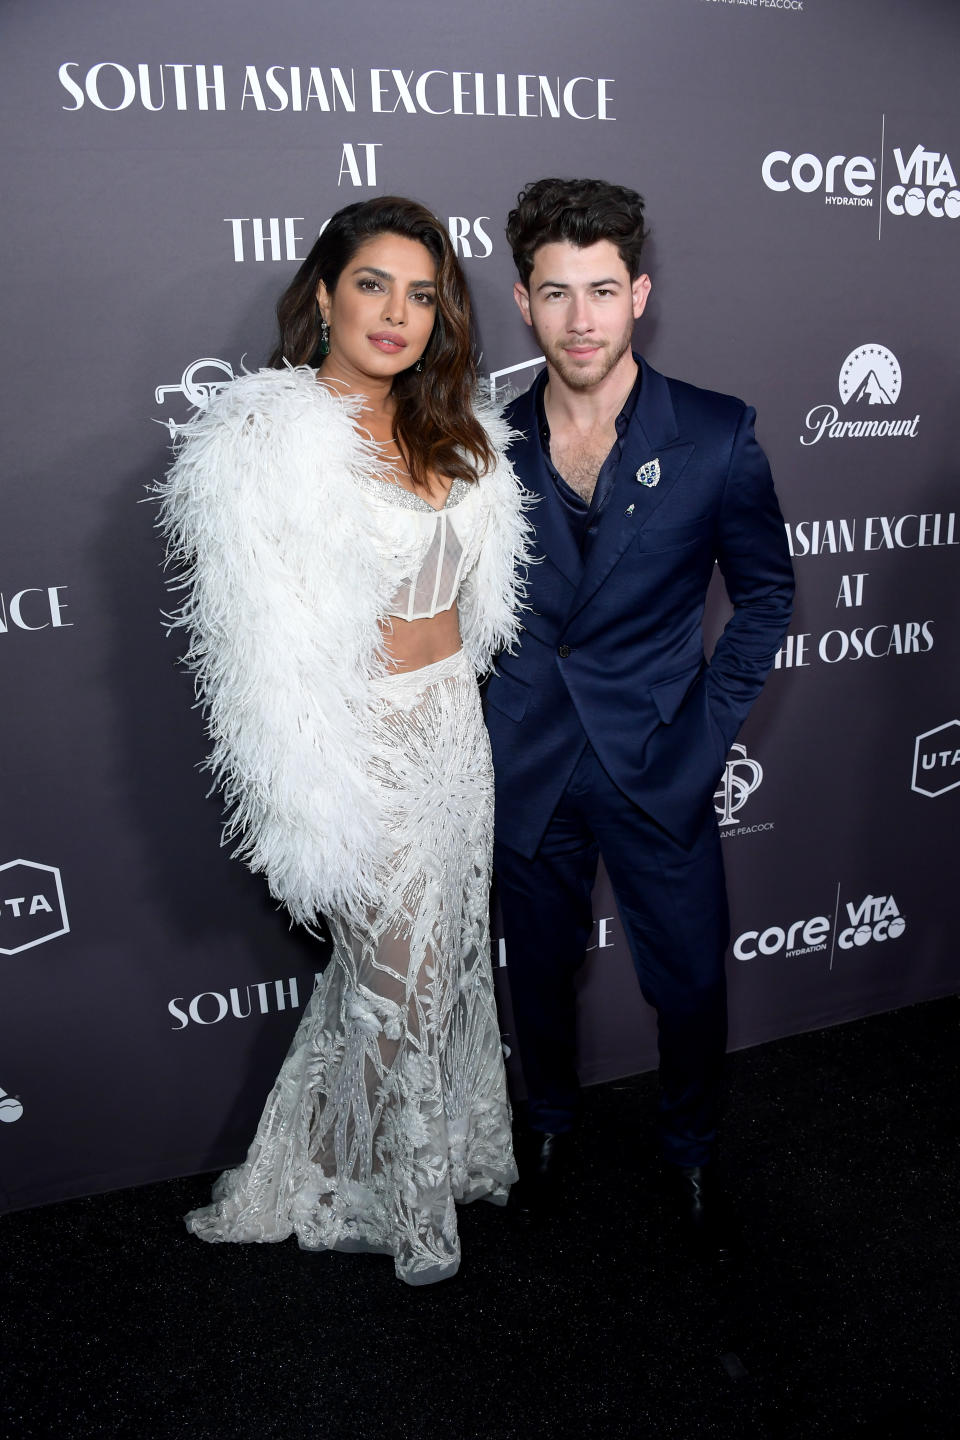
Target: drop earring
{"x":324,"y":346}
{"x":419,"y":366}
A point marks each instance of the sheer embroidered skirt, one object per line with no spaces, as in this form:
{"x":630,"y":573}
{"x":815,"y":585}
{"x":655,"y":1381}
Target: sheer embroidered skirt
{"x":391,"y":1104}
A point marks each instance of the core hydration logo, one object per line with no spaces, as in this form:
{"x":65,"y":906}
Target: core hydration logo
{"x":32,"y":908}
{"x":903,"y":181}
{"x":874,"y":919}
{"x":869,"y":377}
{"x":843,"y":180}
{"x":200,"y":381}
{"x":936,"y":760}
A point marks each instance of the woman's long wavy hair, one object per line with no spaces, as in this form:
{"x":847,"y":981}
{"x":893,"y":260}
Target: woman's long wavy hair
{"x":434,"y":425}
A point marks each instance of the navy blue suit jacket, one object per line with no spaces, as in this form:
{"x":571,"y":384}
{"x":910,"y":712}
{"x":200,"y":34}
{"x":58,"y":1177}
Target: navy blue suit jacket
{"x":612,"y":647}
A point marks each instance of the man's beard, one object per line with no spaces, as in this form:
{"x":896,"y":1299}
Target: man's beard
{"x":585,"y":377}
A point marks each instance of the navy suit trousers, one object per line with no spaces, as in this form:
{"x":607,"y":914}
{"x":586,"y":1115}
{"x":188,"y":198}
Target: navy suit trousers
{"x":672,"y":901}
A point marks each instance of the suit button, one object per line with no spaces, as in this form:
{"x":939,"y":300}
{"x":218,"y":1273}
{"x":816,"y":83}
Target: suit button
{"x":563,"y":651}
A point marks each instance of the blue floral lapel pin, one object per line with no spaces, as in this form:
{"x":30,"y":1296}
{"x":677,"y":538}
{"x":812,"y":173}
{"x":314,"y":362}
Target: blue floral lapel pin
{"x":649,"y":474}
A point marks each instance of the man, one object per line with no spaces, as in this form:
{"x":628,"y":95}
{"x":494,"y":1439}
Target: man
{"x":609,"y":728}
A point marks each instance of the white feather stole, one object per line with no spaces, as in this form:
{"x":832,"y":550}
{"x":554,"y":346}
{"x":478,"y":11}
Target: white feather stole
{"x":285,"y":588}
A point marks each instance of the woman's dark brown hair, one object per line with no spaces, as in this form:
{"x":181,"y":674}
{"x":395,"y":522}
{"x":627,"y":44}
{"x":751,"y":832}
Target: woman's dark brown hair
{"x":434,"y":424}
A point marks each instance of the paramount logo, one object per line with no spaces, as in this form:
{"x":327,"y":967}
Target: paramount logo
{"x":859,"y":382}
{"x":870,"y":376}
{"x":872,"y":392}
{"x":825,"y":420}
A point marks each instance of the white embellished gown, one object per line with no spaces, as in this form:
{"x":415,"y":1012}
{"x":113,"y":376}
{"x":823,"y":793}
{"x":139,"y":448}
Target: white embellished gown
{"x":391,"y":1106}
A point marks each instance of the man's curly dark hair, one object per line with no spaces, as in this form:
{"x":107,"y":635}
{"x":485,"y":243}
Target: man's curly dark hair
{"x":579,"y":211}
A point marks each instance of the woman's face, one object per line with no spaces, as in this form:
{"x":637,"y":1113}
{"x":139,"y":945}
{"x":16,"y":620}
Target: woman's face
{"x":382,"y":312}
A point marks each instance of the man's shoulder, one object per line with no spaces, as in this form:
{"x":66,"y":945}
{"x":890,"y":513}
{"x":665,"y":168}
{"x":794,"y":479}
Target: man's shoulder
{"x":520,"y":416}
{"x":696,"y":404}
{"x":521,"y":409}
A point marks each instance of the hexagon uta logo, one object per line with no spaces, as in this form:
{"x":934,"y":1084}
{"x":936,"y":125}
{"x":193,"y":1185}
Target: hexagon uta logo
{"x":936,"y":760}
{"x":32,"y":908}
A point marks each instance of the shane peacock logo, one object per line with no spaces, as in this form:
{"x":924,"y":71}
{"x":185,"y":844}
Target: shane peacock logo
{"x":741,"y":776}
{"x":870,"y":377}
{"x":200,"y":381}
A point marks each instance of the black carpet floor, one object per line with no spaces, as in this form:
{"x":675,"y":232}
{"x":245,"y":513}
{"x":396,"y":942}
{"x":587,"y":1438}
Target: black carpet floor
{"x":841,"y":1319}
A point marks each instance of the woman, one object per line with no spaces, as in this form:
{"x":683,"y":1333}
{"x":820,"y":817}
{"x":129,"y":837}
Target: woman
{"x":349,"y":541}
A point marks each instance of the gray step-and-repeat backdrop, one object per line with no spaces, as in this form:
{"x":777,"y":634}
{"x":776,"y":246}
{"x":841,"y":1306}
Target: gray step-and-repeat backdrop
{"x":166,"y":167}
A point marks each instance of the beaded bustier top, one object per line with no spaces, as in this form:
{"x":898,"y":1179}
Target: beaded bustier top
{"x":442,"y":545}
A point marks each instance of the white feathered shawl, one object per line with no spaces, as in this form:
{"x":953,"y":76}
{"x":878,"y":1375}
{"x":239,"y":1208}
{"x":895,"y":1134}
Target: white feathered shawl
{"x":275,"y":548}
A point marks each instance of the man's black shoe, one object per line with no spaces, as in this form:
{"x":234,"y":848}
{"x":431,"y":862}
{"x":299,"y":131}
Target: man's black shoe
{"x":700,"y":1206}
{"x":543,"y":1159}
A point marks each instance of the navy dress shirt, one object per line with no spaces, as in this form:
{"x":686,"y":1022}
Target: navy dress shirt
{"x":583,"y":516}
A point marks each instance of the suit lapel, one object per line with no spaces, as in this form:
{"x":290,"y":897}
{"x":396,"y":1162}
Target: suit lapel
{"x":652,"y":436}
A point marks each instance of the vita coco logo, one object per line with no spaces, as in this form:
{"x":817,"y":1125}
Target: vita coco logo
{"x":927,"y":184}
{"x":11,"y":1108}
{"x":873,"y":919}
{"x":924,"y":182}
{"x":876,"y":918}
{"x":869,"y":377}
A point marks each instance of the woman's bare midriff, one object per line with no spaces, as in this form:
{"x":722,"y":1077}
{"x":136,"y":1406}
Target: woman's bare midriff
{"x":411,"y":644}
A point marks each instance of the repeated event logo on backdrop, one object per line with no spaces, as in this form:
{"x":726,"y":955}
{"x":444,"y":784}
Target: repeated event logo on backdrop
{"x":742,"y":777}
{"x":352,"y":100}
{"x":32,"y":907}
{"x":785,"y":7}
{"x":855,"y":924}
{"x":269,"y":997}
{"x":11,"y":1108}
{"x":869,"y":381}
{"x":277,"y":237}
{"x":869,"y":391}
{"x":35,"y":607}
{"x":936,"y":760}
{"x":906,"y":181}
{"x":313,"y":90}
{"x":265,"y":997}
{"x":514,"y":379}
{"x":272,"y":997}
{"x":200,"y":381}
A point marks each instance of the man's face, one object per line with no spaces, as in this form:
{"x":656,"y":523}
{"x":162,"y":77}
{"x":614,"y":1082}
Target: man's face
{"x":581,"y":305}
